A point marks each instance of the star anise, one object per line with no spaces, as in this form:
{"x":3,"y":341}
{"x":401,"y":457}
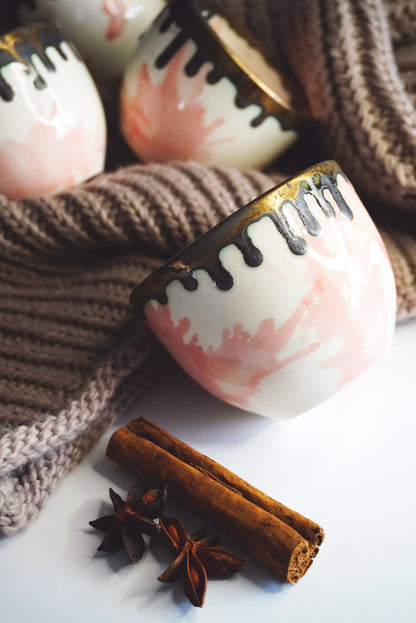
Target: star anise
{"x":130,"y":519}
{"x":197,"y":557}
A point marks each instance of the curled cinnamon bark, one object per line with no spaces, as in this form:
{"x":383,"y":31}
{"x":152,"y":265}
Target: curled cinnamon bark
{"x":284,"y":540}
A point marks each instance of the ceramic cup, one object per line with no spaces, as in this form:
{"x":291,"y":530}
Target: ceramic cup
{"x":52,"y":126}
{"x":281,"y":304}
{"x":104,"y":31}
{"x":197,"y":89}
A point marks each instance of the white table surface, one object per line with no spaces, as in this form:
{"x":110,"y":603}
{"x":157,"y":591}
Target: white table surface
{"x":350,"y":464}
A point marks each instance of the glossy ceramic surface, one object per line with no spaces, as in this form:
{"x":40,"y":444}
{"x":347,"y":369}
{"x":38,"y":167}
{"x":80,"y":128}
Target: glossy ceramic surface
{"x":52,"y":126}
{"x":197,"y":89}
{"x":104,"y":31}
{"x":284,"y":302}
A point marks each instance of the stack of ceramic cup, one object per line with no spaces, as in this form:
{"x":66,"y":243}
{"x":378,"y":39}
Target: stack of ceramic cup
{"x":288,"y":299}
{"x":52,"y":122}
{"x":193,"y":86}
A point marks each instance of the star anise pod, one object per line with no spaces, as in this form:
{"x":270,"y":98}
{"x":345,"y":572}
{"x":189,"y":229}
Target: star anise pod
{"x":130,"y":519}
{"x":197,"y":557}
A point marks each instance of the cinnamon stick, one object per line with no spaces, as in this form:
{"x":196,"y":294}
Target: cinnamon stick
{"x":281,"y":538}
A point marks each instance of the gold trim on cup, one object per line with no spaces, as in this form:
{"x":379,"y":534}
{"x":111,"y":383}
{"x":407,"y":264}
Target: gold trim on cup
{"x":23,"y":42}
{"x":204,"y":252}
{"x":193,"y":25}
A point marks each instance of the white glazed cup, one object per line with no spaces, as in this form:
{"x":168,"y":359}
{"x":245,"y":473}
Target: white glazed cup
{"x":197,"y":89}
{"x":105,"y":32}
{"x":52,"y":125}
{"x":281,"y":304}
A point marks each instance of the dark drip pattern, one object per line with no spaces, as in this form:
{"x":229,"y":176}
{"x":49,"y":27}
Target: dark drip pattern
{"x":24,"y":43}
{"x":193,"y":28}
{"x":298,"y":245}
{"x":200,"y":254}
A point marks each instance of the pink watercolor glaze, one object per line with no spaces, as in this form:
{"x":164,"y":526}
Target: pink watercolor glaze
{"x":233,"y":371}
{"x":117,"y":12}
{"x":344,"y":320}
{"x":335,"y":314}
{"x":162,"y":125}
{"x":46,"y":161}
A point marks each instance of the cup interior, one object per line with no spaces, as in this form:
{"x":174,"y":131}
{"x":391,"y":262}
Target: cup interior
{"x":247,"y":52}
{"x":233,"y":52}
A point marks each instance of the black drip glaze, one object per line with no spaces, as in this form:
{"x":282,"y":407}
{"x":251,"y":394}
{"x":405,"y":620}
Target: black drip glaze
{"x":194,"y":64}
{"x":170,"y":51}
{"x":252,"y":255}
{"x":6,"y":91}
{"x":177,"y":14}
{"x":25,"y":48}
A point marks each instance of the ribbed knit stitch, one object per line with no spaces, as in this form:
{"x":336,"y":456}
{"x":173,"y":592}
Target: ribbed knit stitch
{"x":73,"y":355}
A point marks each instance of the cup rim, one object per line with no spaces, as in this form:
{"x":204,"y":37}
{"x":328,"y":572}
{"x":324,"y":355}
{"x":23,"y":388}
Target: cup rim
{"x":34,"y":38}
{"x":194,"y":19}
{"x":27,"y":30}
{"x":217,"y":9}
{"x":32,"y":33}
{"x":195,"y":255}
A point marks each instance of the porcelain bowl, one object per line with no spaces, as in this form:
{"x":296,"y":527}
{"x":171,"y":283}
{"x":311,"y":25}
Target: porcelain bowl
{"x":52,"y":125}
{"x":104,"y":31}
{"x":283,"y":303}
{"x":199,"y":87}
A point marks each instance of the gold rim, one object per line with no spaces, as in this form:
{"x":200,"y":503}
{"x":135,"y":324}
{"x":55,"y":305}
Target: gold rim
{"x":254,"y":43}
{"x":193,"y":25}
{"x":203,"y":253}
{"x":22,"y":43}
{"x":30,"y":32}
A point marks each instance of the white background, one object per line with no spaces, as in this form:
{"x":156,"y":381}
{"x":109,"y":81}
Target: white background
{"x":350,"y":465}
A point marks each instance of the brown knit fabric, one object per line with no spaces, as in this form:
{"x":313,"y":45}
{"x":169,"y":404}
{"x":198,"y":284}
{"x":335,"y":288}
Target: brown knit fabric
{"x":73,"y":355}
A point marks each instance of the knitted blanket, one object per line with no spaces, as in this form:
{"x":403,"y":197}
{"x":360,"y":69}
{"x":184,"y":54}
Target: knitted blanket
{"x":73,"y":354}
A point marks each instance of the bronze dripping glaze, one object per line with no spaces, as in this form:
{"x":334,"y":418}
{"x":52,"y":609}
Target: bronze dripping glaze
{"x":250,"y":89}
{"x":21,"y":44}
{"x":205,"y":251}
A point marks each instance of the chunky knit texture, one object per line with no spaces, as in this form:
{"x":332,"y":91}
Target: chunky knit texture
{"x":73,"y":355}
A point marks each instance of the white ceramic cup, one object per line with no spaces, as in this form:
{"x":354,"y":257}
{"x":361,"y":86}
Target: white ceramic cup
{"x":283,"y":303}
{"x":196,"y":88}
{"x":104,"y":31}
{"x":52,"y":125}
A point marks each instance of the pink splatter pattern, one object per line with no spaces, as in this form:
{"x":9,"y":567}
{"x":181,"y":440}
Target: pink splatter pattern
{"x":117,"y":11}
{"x":354,"y":306}
{"x":234,"y":370}
{"x":162,"y":125}
{"x":45,"y":162}
{"x":344,"y":321}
